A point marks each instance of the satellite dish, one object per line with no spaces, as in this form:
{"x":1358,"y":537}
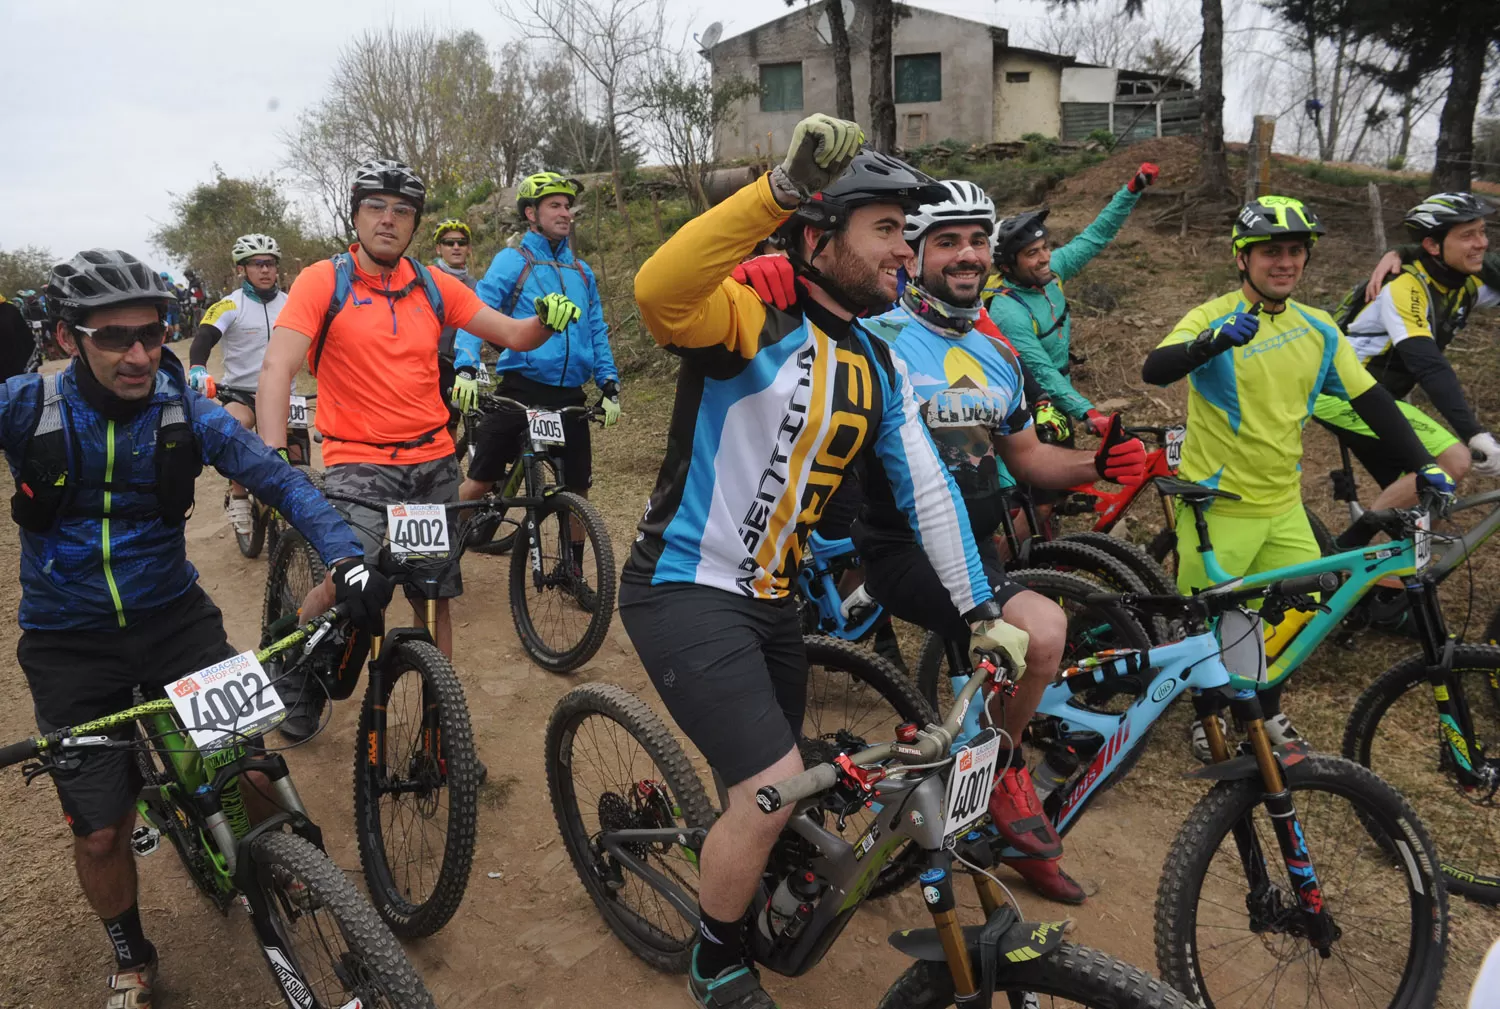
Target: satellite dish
{"x":711,"y":36}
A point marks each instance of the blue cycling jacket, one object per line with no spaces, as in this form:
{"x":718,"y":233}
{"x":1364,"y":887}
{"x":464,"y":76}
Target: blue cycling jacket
{"x":101,"y":573}
{"x":575,"y":355}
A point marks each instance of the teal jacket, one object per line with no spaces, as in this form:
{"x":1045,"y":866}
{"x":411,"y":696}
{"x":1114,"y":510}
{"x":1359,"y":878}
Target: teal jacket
{"x":1035,"y":320}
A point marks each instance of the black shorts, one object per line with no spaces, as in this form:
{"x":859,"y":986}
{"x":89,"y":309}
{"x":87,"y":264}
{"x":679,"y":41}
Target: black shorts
{"x":227,"y":396}
{"x":500,"y":435}
{"x":905,"y":583}
{"x":76,"y":676}
{"x":732,"y":671}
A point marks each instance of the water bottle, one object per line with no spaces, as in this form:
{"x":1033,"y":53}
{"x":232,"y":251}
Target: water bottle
{"x":1054,"y":771}
{"x":858,"y":606}
{"x":797,"y":888}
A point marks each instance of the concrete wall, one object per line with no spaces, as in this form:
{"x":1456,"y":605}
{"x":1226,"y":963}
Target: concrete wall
{"x":966,"y":109}
{"x":1032,"y":107}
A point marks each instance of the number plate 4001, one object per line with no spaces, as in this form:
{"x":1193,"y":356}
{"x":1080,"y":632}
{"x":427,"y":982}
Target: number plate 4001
{"x":970,"y":784}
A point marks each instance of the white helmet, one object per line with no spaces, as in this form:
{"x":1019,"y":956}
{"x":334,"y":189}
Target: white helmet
{"x":965,"y":202}
{"x":254,"y":245}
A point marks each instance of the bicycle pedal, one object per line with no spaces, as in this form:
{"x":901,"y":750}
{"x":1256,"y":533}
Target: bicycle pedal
{"x":145,"y":840}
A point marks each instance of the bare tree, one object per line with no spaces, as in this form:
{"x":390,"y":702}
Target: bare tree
{"x":680,"y":108}
{"x":533,"y":98}
{"x":1111,"y":38}
{"x":838,"y":41}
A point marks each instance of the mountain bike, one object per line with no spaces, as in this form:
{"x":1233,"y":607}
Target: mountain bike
{"x":267,"y":524}
{"x":322,"y":942}
{"x":635,"y":837}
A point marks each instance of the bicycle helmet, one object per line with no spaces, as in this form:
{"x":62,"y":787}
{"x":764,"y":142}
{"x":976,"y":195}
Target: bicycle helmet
{"x":386,"y":176}
{"x":1015,"y":233}
{"x":543,"y":184}
{"x":98,"y":278}
{"x":871,"y":177}
{"x":247,"y":246}
{"x":1435,"y":216}
{"x":1273,"y":217}
{"x":964,"y":202}
{"x":452,"y":224}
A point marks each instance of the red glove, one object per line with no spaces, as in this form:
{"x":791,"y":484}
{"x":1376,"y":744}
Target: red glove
{"x":1144,"y":176}
{"x":1121,"y":458}
{"x":1098,"y":422}
{"x":772,"y":278}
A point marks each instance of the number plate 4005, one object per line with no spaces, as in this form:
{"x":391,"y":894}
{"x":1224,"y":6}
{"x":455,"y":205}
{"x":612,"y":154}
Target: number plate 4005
{"x":546,"y":427}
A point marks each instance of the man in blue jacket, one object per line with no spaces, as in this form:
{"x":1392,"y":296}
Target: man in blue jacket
{"x":105,"y":455}
{"x":552,"y":375}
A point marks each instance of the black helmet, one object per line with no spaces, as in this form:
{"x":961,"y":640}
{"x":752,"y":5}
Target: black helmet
{"x":1435,"y":216}
{"x":385,"y":176}
{"x":98,"y":278}
{"x":871,"y":177}
{"x":1015,"y":233}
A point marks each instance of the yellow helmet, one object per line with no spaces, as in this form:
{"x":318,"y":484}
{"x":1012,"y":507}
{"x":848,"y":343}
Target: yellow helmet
{"x":452,"y":224}
{"x":1272,"y":217}
{"x":542,"y":184}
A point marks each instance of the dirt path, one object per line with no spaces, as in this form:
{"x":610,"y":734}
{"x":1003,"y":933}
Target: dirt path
{"x":530,"y":937}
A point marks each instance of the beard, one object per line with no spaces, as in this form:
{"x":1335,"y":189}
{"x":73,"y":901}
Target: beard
{"x":942,"y":288}
{"x":858,"y":281}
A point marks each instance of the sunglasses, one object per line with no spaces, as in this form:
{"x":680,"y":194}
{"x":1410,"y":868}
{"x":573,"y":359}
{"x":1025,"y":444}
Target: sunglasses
{"x":454,"y":243}
{"x":119,"y":339}
{"x":402,"y":210}
{"x":264,"y":264}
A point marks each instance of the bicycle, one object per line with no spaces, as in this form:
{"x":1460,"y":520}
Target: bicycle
{"x":266,"y":522}
{"x":547,"y":455}
{"x":322,"y":942}
{"x":636,"y":840}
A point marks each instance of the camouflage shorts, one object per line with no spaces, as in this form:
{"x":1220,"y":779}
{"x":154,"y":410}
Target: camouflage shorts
{"x":434,"y":482}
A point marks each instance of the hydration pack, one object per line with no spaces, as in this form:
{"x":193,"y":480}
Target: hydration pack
{"x":343,"y":290}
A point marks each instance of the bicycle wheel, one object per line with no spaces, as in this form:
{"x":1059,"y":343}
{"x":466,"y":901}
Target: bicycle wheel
{"x":1394,"y":731}
{"x":1092,"y":627}
{"x":250,"y":543}
{"x":1140,"y":563}
{"x":612,"y":765}
{"x":1090,"y":562}
{"x":328,"y":932}
{"x":294,"y":570}
{"x":415,"y":811}
{"x":856,"y":699}
{"x":1068,"y":976}
{"x":562,"y":593}
{"x":1227,"y":946}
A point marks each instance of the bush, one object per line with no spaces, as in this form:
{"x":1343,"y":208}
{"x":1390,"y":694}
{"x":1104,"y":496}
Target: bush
{"x":1396,"y":163}
{"x":1103,"y":136}
{"x":1038,"y":146}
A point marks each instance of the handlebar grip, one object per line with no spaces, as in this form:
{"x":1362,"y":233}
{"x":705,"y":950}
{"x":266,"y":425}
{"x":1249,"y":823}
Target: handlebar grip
{"x":770,"y":798}
{"x":17,"y":752}
{"x":1305,"y":585}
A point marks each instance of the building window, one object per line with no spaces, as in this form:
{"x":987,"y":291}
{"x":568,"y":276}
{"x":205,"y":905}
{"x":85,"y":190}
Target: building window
{"x":919,"y":78}
{"x":1017,"y":76}
{"x":781,"y":87}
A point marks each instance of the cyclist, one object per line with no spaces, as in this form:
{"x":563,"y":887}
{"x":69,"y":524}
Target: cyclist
{"x":970,"y":391}
{"x":1401,"y":336}
{"x":367,"y":323}
{"x":174,"y":307}
{"x":105,"y":454}
{"x":18,"y":343}
{"x":1255,"y":359}
{"x":454,"y":240}
{"x":1025,"y":295}
{"x":772,"y":407}
{"x":553,"y":375}
{"x":243,"y":320}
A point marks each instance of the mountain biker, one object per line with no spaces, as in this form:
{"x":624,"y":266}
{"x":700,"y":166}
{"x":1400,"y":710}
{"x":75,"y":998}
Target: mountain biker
{"x":17,"y":341}
{"x":243,"y":320}
{"x":772,"y":407}
{"x":1255,"y":359}
{"x":454,"y":241}
{"x":104,"y":455}
{"x":553,"y":375}
{"x":970,"y":393}
{"x":1401,"y":336}
{"x":1025,"y":295}
{"x":374,"y":353}
{"x":172,"y":309}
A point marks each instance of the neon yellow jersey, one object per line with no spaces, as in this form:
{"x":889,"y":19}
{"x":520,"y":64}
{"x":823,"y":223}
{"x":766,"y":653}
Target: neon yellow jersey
{"x":1247,"y":406}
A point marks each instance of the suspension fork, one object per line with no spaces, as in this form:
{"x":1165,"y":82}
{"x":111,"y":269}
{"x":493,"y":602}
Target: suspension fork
{"x":937,"y":891}
{"x":1455,"y":722}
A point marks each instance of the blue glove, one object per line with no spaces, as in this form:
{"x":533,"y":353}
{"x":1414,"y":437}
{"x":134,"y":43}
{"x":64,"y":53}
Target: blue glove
{"x":1436,"y":479}
{"x":198,"y":378}
{"x":1237,"y":330}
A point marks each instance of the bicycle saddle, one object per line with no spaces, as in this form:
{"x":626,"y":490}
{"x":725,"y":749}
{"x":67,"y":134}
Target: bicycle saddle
{"x":1192,"y":493}
{"x":824,"y":547}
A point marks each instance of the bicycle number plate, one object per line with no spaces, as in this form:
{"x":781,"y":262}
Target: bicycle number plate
{"x":1175,"y":437}
{"x":225,"y":703}
{"x":1422,"y":541}
{"x":297,"y":416}
{"x":546,"y":427}
{"x":970,"y":784}
{"x":417,"y":530}
{"x":485,"y":378}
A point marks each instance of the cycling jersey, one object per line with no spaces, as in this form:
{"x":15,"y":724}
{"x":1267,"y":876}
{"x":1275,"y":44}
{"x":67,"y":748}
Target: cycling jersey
{"x":244,"y":322}
{"x":1036,"y":321}
{"x":771,"y":408}
{"x":576,"y":354}
{"x":1247,"y":406}
{"x":100,"y":571}
{"x":378,"y":391}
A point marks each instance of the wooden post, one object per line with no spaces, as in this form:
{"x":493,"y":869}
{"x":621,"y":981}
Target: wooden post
{"x":1258,"y":167}
{"x":1377,"y":220}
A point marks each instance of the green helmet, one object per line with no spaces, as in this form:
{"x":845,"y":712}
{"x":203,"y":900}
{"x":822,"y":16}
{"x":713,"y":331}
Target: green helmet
{"x":1272,"y":217}
{"x":543,"y":184}
{"x":451,"y":224}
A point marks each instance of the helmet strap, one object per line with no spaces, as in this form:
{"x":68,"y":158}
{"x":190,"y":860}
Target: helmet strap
{"x":804,"y":269}
{"x":1438,"y":268}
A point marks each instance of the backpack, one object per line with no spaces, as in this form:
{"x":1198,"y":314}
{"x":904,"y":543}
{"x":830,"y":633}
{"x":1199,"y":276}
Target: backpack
{"x":1444,"y":318}
{"x":514,"y":297}
{"x":343,"y":290}
{"x":45,"y":486}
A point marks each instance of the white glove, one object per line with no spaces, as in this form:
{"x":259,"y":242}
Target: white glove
{"x":1007,"y":639}
{"x":1486,"y":452}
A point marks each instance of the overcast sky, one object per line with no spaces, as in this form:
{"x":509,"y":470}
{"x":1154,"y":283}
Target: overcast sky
{"x":108,"y":108}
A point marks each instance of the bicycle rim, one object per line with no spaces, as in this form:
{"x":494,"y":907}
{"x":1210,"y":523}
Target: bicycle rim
{"x":562,"y":583}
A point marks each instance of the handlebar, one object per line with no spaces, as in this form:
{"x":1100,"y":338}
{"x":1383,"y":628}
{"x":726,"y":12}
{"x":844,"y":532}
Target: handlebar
{"x":494,"y":399}
{"x":1157,"y":433}
{"x":17,"y":752}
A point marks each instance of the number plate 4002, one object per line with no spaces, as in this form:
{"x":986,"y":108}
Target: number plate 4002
{"x":227,"y":702}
